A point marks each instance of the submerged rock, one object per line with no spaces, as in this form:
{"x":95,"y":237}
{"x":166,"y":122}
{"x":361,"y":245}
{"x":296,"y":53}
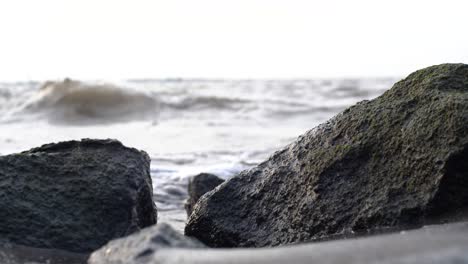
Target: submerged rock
{"x":399,"y":160}
{"x":75,"y":195}
{"x":198,"y":186}
{"x":142,"y":246}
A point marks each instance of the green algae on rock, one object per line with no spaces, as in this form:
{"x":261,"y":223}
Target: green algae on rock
{"x":399,"y":160}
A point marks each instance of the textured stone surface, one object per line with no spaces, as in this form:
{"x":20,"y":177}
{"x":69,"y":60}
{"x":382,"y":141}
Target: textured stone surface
{"x":18,"y":254}
{"x":198,"y":186}
{"x":75,"y":195}
{"x":399,"y":160}
{"x":142,"y":246}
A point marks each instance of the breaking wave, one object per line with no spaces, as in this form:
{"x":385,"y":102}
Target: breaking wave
{"x":206,"y":102}
{"x":74,"y":102}
{"x":217,"y":103}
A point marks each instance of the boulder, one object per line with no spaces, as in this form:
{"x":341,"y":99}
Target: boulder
{"x":75,"y":195}
{"x":198,"y":186}
{"x":397,"y":161}
{"x":18,"y":254}
{"x":142,"y":247}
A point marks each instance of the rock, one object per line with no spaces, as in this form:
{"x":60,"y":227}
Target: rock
{"x":142,"y":247}
{"x":75,"y":195}
{"x":198,"y":186}
{"x":17,"y":254}
{"x":398,"y":161}
{"x":435,"y":244}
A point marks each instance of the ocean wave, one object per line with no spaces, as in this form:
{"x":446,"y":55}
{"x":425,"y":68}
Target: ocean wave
{"x":74,"y":102}
{"x":71,"y":102}
{"x":217,"y":103}
{"x":200,"y":102}
{"x":305,"y":111}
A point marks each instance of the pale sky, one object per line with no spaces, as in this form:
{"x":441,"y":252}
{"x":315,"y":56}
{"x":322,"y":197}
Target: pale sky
{"x":118,"y":39}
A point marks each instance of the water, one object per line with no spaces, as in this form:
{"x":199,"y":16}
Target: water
{"x":186,"y":126}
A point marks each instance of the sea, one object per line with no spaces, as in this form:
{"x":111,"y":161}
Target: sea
{"x":187,"y":126}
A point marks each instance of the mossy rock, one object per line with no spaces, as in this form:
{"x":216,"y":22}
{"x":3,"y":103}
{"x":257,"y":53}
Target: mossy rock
{"x":398,"y":161}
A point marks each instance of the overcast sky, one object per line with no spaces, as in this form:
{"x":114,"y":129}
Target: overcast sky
{"x":118,"y":39}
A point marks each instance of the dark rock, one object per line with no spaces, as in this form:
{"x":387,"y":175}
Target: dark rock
{"x":399,"y":160}
{"x":75,"y":195}
{"x":198,"y":186}
{"x":18,"y":254}
{"x":142,"y":246}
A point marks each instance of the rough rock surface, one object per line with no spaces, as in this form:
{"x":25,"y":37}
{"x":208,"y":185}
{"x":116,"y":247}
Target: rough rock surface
{"x":198,"y":186}
{"x":142,"y":246}
{"x":17,"y":254}
{"x":399,"y":160}
{"x":75,"y":195}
